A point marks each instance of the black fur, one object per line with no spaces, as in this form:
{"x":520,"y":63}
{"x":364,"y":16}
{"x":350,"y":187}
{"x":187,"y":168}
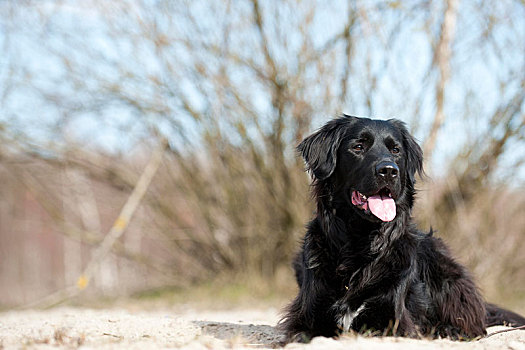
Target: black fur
{"x":358,"y":272}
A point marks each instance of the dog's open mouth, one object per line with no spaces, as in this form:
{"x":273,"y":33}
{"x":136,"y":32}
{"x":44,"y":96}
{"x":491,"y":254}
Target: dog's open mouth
{"x":381,"y":204}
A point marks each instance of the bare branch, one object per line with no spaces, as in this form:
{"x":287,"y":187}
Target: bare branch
{"x":442,"y":57}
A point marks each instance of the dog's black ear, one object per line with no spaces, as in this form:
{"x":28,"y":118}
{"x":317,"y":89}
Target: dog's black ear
{"x":414,"y":159}
{"x":319,"y":150}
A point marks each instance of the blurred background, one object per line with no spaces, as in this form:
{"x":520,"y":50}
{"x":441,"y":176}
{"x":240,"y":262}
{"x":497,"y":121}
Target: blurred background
{"x":187,"y":113}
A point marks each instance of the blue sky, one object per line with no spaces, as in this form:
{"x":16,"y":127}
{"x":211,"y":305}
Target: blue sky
{"x":398,"y":59}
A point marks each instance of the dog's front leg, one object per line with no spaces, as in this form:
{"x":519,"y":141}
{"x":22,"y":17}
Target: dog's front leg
{"x":310,"y":313}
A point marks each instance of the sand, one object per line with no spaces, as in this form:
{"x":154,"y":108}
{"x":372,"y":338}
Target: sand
{"x":67,"y":328}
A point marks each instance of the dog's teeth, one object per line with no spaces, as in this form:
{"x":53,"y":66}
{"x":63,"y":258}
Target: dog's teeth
{"x":390,"y":195}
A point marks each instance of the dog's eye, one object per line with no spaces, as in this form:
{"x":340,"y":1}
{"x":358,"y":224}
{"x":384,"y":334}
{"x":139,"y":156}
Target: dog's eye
{"x":395,"y":150}
{"x":358,"y":148}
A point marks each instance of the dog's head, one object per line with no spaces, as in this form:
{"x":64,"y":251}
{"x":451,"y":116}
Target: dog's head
{"x":369,"y":165}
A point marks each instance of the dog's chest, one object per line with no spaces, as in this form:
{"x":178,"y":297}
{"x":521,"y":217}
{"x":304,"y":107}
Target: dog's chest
{"x":346,"y":320}
{"x":352,"y":259}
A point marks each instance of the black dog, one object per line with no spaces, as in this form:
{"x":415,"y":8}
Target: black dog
{"x":363,"y":263}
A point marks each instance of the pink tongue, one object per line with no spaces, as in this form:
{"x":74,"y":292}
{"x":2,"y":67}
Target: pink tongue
{"x":383,"y":207}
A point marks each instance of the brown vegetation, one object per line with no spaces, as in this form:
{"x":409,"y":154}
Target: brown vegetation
{"x":234,"y":86}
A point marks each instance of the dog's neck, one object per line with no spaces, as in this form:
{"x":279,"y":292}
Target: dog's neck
{"x":342,"y":224}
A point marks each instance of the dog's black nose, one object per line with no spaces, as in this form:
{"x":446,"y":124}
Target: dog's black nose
{"x":387,"y":170}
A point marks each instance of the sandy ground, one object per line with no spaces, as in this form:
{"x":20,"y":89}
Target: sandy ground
{"x":67,"y":328}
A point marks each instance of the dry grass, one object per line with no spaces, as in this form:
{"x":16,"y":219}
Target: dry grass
{"x":485,"y":232}
{"x":225,"y":228}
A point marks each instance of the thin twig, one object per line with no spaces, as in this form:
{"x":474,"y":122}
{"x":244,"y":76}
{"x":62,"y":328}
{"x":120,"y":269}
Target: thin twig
{"x":505,"y":330}
{"x":114,"y":233}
